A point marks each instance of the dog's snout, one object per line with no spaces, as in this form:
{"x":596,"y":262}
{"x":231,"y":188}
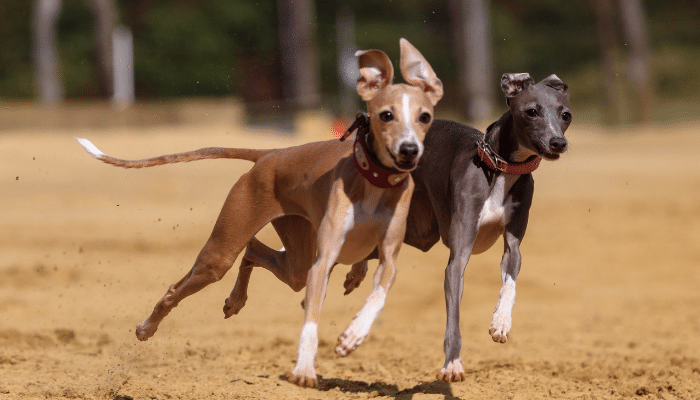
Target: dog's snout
{"x":558,"y":144}
{"x":408,"y":151}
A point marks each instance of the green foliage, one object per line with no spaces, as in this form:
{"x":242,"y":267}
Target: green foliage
{"x":16,"y":72}
{"x":194,"y":47}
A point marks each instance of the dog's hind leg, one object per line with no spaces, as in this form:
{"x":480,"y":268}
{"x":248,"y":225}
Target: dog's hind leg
{"x":290,"y":265}
{"x":462,"y":234}
{"x":355,"y":276}
{"x":242,"y":216}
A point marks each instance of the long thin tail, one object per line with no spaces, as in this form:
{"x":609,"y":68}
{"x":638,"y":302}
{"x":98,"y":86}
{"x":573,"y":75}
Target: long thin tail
{"x":201,"y":154}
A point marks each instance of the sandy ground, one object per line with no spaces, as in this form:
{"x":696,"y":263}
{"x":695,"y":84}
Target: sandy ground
{"x":608,"y":303}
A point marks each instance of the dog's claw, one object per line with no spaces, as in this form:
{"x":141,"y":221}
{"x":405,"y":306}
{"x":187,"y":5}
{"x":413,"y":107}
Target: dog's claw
{"x":453,"y":372}
{"x":498,"y":337}
{"x":347,"y":343}
{"x":301,"y":379}
{"x":500,"y":328}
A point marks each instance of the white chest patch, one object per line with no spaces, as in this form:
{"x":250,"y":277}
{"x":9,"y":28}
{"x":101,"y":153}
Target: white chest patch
{"x":493,"y":211}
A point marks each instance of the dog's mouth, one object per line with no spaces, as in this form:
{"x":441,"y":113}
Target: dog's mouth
{"x":403,"y":165}
{"x":549,"y":156}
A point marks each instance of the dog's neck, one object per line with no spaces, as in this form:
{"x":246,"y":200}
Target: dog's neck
{"x":501,"y":136}
{"x":369,"y":165}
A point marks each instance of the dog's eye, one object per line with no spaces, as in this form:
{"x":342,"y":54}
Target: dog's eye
{"x":386,"y":116}
{"x":424,"y":118}
{"x":531,"y":112}
{"x":566,"y":116}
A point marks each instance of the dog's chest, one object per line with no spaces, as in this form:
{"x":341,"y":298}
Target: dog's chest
{"x":492,"y":218}
{"x":365,"y":221}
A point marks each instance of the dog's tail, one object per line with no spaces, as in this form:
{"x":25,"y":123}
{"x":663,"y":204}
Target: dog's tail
{"x":201,"y":154}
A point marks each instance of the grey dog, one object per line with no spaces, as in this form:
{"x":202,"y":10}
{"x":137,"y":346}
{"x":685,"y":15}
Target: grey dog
{"x":472,"y":188}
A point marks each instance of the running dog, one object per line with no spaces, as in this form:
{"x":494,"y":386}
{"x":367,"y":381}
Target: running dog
{"x":331,"y":202}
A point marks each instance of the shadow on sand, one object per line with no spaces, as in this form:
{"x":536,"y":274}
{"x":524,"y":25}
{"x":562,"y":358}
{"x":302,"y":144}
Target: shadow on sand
{"x":384,"y":389}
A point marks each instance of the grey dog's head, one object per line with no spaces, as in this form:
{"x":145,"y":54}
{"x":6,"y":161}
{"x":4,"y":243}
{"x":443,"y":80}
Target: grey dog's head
{"x":541,"y":112}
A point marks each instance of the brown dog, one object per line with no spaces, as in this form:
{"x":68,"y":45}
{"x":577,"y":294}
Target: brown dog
{"x":327,"y":195}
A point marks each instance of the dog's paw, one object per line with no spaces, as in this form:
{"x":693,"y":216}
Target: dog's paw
{"x":500,"y":327}
{"x":354,"y":278}
{"x":145,"y":330}
{"x":303,"y":376}
{"x":453,"y":372}
{"x":350,"y":339}
{"x":233,"y":307}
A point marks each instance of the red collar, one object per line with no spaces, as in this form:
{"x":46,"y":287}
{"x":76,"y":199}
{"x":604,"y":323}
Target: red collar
{"x":376,"y":173}
{"x":494,"y":161}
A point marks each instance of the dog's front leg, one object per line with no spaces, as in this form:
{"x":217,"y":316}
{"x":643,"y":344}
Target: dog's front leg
{"x":331,"y":236}
{"x":384,"y":278}
{"x":510,"y":267}
{"x":359,"y":327}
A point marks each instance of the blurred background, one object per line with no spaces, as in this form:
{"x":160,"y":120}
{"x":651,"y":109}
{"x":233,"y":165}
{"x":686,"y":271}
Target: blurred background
{"x":624,"y":60}
{"x":608,"y":305}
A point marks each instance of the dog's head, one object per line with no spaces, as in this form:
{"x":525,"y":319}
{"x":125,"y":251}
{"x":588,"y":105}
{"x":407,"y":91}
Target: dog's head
{"x":541,"y":113}
{"x":400,"y":114}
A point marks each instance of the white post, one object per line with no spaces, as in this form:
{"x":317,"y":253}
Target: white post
{"x":46,"y":60}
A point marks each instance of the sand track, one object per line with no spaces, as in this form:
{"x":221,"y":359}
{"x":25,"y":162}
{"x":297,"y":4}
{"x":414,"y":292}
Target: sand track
{"x":608,"y":305}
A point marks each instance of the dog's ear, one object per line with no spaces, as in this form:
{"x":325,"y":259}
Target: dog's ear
{"x":555,"y":83}
{"x":376,"y":72}
{"x":513,"y":84}
{"x":417,"y":72}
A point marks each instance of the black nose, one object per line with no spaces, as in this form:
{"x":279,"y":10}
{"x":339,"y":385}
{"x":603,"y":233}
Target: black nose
{"x":408,"y":151}
{"x":558,"y":145}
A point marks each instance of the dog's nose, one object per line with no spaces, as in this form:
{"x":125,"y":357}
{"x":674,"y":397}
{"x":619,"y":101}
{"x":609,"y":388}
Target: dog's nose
{"x":558,"y":144}
{"x":408,"y":151}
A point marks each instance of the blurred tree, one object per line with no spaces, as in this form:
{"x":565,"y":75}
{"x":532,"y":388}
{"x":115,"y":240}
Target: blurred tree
{"x":605,"y":24}
{"x":300,"y":70}
{"x":635,"y":32}
{"x":104,"y":15}
{"x":472,"y":46}
{"x":47,"y":62}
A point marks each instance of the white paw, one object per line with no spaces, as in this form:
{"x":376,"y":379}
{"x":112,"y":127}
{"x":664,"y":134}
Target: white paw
{"x":453,"y":372}
{"x":500,"y":327}
{"x":304,"y":376}
{"x":351,"y":338}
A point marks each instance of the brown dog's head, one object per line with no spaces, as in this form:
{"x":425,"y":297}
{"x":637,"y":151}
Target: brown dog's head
{"x":541,"y":113}
{"x":400,"y":114}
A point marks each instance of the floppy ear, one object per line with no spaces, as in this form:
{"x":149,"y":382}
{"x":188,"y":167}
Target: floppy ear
{"x":417,"y":72}
{"x":376,"y":72}
{"x":513,"y":84}
{"x":554,"y":82}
